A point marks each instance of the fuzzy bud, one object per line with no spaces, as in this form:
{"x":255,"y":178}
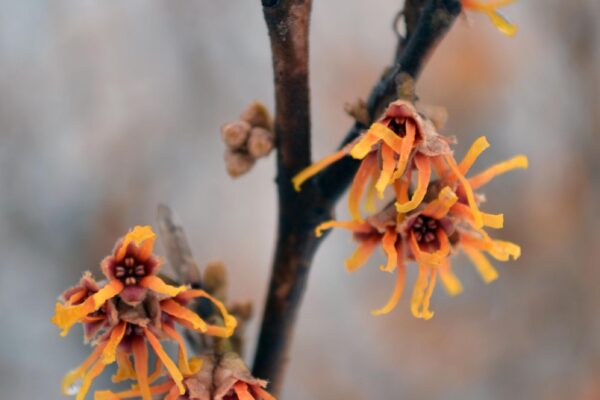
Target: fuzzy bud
{"x":235,"y":134}
{"x":237,"y":163}
{"x":256,"y":114}
{"x":261,"y":142}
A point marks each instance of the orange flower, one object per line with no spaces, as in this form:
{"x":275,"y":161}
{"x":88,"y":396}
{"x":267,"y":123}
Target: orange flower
{"x":490,"y":9}
{"x":218,"y":377}
{"x":131,"y":273}
{"x":449,"y":221}
{"x":143,"y":309}
{"x":386,"y":150}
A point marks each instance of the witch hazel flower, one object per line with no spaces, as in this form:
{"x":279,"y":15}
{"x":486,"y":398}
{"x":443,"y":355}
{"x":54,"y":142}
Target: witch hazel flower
{"x":401,"y":140}
{"x":214,"y":377}
{"x":446,"y":222}
{"x":134,"y":308}
{"x":490,"y":8}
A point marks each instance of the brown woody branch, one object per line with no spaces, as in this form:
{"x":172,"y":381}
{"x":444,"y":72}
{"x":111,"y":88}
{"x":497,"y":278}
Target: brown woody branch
{"x":300,"y":212}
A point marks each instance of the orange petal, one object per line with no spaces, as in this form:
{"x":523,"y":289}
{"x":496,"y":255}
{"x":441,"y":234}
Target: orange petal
{"x":175,"y":309}
{"x":66,"y":316}
{"x":424,"y":169}
{"x":396,"y":294}
{"x":141,"y":236}
{"x":229,"y":320}
{"x":317,"y":167}
{"x":129,"y":394}
{"x":166,"y":360}
{"x":173,"y":394}
{"x":241,"y":390}
{"x":516,"y":162}
{"x":478,"y":219}
{"x":387,"y":170}
{"x":388,"y":243}
{"x":361,"y":254}
{"x":478,"y":147}
{"x":371,"y":197}
{"x":79,"y":373}
{"x":116,"y":335}
{"x":440,"y":166}
{"x":401,"y":189}
{"x":407,"y":145}
{"x":439,"y":208}
{"x":262,"y":394}
{"x":89,"y":379}
{"x":486,"y":270}
{"x":354,"y":226}
{"x":157,"y":285}
{"x":364,"y":145}
{"x":365,"y":171}
{"x":125,"y":370}
{"x":182,"y":360}
{"x":140,"y":360}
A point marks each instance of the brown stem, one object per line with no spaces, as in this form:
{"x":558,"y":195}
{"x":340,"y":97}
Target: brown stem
{"x":301,"y":212}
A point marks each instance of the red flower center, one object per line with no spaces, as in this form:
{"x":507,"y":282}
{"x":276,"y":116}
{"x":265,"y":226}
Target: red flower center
{"x":130,"y":271}
{"x":425,"y":229}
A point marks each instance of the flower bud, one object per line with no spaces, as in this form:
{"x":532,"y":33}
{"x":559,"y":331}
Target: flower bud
{"x":261,"y":142}
{"x":235,"y":134}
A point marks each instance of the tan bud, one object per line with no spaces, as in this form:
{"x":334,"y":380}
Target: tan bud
{"x":237,"y":163}
{"x":235,"y":134}
{"x":256,"y":114}
{"x":358,"y":111}
{"x":260,"y":142}
{"x":215,"y":279}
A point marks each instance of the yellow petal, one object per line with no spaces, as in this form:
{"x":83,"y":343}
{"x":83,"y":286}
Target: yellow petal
{"x":477,"y":218}
{"x":449,"y":279}
{"x":486,"y":270}
{"x":364,"y":146}
{"x":439,"y":208}
{"x":502,"y":23}
{"x":141,"y":236}
{"x":66,"y":316}
{"x":387,"y":170}
{"x":157,"y":285}
{"x":424,"y":170}
{"x":474,"y":152}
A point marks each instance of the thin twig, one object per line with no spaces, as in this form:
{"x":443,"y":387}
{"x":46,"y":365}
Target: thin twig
{"x":300,"y":212}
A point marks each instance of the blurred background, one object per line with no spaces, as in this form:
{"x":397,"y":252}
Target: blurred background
{"x":109,"y":107}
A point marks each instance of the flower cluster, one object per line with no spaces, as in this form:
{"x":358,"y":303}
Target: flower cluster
{"x":426,"y":222}
{"x":214,"y":377}
{"x":131,"y":309}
